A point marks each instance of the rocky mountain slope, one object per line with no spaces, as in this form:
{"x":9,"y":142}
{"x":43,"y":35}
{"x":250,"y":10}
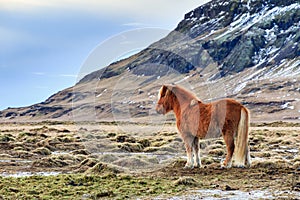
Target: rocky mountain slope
{"x":245,"y":49}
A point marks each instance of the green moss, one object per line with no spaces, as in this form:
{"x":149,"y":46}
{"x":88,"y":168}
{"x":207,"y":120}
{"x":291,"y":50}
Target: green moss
{"x":89,"y":187}
{"x":6,"y":138}
{"x":25,"y":134}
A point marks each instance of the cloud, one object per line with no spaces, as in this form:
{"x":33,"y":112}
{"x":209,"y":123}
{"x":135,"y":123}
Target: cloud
{"x":25,"y":5}
{"x":145,"y":9}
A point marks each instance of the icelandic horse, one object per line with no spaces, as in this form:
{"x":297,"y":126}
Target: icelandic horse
{"x":197,"y":120}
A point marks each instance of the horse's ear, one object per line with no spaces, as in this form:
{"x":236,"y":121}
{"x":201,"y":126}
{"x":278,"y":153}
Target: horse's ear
{"x":170,"y":89}
{"x":162,"y":91}
{"x":165,"y":90}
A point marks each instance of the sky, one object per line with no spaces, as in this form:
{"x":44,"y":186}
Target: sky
{"x":44,"y":43}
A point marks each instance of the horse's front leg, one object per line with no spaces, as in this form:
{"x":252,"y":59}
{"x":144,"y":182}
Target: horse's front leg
{"x":188,"y":143}
{"x":197,"y":158}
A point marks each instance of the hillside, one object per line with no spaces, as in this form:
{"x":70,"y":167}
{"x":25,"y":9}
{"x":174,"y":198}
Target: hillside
{"x":247,"y":50}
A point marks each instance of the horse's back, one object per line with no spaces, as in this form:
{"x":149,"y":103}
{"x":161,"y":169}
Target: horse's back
{"x":228,"y":106}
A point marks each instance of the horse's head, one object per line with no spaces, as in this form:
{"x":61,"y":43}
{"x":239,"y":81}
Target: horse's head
{"x":165,"y":99}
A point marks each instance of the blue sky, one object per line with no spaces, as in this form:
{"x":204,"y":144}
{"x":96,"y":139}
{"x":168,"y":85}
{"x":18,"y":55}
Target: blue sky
{"x":43,"y":43}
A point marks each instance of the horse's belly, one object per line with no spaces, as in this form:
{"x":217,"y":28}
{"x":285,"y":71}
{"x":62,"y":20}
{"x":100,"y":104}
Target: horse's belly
{"x":213,"y":132}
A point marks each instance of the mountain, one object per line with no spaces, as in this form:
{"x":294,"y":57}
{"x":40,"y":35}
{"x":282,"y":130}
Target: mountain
{"x":243,"y":49}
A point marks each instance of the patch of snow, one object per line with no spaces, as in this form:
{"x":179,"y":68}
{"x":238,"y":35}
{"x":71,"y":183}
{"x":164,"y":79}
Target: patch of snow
{"x":202,"y":18}
{"x":287,"y":106}
{"x":248,"y":4}
{"x":207,"y":35}
{"x":193,"y":19}
{"x":221,"y":13}
{"x":240,"y":87}
{"x":27,"y":174}
{"x":286,"y":69}
{"x":131,"y":102}
{"x":254,"y":74}
{"x":194,"y":27}
{"x":99,"y":95}
{"x":185,"y":78}
{"x":192,"y":14}
{"x":225,"y":3}
{"x":245,"y":21}
{"x":240,"y":20}
{"x":270,"y":34}
{"x":263,"y":55}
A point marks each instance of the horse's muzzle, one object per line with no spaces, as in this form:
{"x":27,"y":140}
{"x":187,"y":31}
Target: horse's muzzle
{"x":160,"y":109}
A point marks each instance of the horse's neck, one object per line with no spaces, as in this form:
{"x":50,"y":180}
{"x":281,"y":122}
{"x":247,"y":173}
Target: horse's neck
{"x":180,"y":106}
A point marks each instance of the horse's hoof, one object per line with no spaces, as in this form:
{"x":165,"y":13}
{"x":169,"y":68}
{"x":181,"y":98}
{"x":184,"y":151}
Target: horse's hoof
{"x":198,"y":166}
{"x":240,"y":166}
{"x":225,"y":167}
{"x":188,"y":167}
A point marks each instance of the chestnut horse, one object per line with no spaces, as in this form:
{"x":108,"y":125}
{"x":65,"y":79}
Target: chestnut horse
{"x":197,"y":120}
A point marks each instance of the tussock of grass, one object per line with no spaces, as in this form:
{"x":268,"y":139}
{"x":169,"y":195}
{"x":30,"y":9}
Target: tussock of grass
{"x":42,"y":151}
{"x":54,"y":161}
{"x":270,"y":164}
{"x":296,"y":165}
{"x":217,"y":152}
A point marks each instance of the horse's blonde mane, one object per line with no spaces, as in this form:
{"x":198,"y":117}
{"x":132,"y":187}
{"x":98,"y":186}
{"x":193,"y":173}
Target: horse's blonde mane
{"x":185,"y":94}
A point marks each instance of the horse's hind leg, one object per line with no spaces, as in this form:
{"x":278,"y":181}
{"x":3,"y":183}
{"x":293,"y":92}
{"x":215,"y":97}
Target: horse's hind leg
{"x":197,"y":158}
{"x":229,"y":141}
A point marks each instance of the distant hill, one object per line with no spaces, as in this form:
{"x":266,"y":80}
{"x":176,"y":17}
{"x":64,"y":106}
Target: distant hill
{"x":245,"y":49}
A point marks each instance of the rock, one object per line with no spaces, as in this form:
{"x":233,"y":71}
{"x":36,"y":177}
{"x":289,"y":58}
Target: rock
{"x":229,"y":188}
{"x":80,"y":151}
{"x":187,"y":181}
{"x":125,"y":138}
{"x":145,"y":143}
{"x":101,"y":168}
{"x":131,"y":147}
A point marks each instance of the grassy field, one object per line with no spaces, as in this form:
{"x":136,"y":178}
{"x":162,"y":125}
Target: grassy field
{"x":55,"y":160}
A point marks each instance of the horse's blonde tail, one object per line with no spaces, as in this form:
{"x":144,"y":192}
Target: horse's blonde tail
{"x":242,"y":151}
